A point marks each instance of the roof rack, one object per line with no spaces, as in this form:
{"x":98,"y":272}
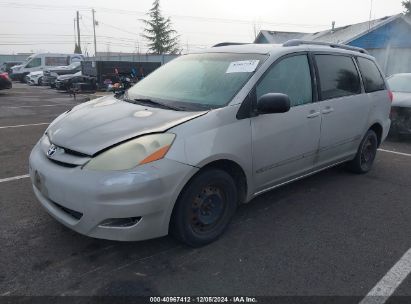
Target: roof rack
{"x":297,"y":42}
{"x":228,"y":43}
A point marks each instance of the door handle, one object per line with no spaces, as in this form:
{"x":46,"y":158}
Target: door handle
{"x":313,"y":114}
{"x":328,"y":110}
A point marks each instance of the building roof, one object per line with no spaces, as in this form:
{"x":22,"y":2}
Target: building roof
{"x":371,"y":34}
{"x":348,"y":33}
{"x":277,"y":37}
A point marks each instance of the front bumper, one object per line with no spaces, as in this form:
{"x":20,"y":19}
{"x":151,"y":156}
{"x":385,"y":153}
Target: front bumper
{"x":83,"y":199}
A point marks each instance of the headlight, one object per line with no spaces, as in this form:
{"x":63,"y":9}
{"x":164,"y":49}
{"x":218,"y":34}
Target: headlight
{"x":139,"y":151}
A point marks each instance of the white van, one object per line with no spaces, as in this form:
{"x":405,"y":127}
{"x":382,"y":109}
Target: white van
{"x":40,"y":62}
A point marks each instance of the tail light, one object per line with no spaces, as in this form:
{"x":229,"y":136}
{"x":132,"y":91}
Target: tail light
{"x":390,"y":95}
{"x":4,"y":76}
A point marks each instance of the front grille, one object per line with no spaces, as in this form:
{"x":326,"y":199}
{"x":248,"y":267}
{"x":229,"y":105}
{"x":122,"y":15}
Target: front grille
{"x":66,"y":165}
{"x":75,"y":153}
{"x":75,"y":214}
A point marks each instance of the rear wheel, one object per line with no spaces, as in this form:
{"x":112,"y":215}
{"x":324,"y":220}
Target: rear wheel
{"x":204,"y":208}
{"x":363,"y":161}
{"x":40,"y":82}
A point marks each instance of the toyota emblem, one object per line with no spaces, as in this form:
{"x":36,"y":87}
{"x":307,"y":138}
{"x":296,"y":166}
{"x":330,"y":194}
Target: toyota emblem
{"x":51,"y":151}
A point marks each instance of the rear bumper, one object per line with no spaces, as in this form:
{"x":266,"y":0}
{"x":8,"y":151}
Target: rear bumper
{"x":82,"y":199}
{"x":4,"y":84}
{"x":401,"y":120}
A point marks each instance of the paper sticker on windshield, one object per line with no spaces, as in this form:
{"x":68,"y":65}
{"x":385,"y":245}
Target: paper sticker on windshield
{"x":246,"y":66}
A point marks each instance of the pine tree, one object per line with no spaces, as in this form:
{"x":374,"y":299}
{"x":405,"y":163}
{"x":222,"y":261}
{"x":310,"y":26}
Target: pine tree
{"x":163,"y":39}
{"x":407,"y":6}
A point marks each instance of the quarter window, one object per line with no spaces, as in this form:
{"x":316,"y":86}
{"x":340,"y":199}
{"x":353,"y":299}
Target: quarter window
{"x":338,"y":76}
{"x":291,"y":76}
{"x":373,"y":81}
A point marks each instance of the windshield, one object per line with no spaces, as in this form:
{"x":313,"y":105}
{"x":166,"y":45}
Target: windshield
{"x":199,"y":81}
{"x":400,"y":83}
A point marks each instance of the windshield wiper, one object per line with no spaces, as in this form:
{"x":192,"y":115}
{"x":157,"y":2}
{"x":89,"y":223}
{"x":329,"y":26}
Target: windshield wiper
{"x":147,"y":101}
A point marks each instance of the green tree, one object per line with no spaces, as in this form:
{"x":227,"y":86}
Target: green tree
{"x":163,"y":39}
{"x":77,"y":49}
{"x":407,"y":6}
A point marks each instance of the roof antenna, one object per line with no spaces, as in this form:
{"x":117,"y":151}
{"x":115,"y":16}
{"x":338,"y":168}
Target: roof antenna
{"x":333,"y":27}
{"x":369,"y":22}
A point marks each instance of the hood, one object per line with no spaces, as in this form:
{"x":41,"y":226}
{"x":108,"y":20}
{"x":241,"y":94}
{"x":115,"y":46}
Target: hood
{"x":35,"y":73}
{"x":65,"y":77}
{"x":104,"y":122}
{"x":16,"y":67}
{"x":401,"y":99}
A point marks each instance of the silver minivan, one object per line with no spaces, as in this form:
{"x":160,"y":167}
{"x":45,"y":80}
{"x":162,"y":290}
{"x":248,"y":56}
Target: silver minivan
{"x":206,"y":132}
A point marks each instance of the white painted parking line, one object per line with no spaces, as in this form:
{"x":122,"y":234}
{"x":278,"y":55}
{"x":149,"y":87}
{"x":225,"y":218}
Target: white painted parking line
{"x":395,"y":152}
{"x":9,"y":179}
{"x":390,"y":282}
{"x":19,"y":126}
{"x":48,"y":105}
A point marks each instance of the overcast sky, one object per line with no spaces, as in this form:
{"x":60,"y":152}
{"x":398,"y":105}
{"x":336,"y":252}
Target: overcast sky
{"x":45,"y":25}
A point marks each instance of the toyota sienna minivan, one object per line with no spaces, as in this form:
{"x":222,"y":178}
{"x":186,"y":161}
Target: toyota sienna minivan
{"x":206,"y":132}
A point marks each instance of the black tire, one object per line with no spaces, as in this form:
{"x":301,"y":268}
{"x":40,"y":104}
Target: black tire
{"x":40,"y":82}
{"x":363,"y":161}
{"x":204,"y":208}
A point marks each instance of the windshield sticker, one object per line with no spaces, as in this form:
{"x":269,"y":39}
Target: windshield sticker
{"x":246,"y":66}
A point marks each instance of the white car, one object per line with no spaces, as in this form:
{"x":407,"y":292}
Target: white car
{"x":35,"y":78}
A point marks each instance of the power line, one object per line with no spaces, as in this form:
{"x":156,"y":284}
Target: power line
{"x":139,"y":13}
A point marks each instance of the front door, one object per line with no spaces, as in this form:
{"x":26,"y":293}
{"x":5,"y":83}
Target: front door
{"x":285,"y":145}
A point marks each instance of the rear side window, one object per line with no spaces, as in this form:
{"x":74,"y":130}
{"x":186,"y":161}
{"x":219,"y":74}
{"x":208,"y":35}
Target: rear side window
{"x":57,"y":61}
{"x":290,"y":76}
{"x":373,"y":81}
{"x":338,"y":76}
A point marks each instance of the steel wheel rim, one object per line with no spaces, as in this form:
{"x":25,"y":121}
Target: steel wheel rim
{"x":368,"y":152}
{"x":207,"y":209}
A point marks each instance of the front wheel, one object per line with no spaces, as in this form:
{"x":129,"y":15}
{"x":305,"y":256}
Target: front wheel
{"x":204,"y":208}
{"x":363,"y":161}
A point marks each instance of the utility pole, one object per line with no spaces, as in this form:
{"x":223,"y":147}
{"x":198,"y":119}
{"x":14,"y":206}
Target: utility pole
{"x":75,"y":37}
{"x":78,"y":31}
{"x":94,"y":29}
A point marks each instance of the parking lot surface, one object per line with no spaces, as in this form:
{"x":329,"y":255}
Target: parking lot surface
{"x":334,"y":233}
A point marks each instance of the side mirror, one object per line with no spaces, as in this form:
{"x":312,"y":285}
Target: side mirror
{"x":273,"y":103}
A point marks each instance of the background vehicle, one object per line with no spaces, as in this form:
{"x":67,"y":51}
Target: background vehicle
{"x":34,"y":78}
{"x":50,"y":75}
{"x":5,"y":81}
{"x":66,"y":82}
{"x":400,"y":84}
{"x":6,"y":66}
{"x":40,"y":62}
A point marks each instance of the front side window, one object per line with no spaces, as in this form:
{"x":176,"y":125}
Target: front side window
{"x":373,"y":81}
{"x":34,"y":63}
{"x":338,"y":76}
{"x":290,"y":76}
{"x":198,"y":81}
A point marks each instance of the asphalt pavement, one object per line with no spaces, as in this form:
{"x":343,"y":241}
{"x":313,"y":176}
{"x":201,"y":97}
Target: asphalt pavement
{"x":332,"y":234}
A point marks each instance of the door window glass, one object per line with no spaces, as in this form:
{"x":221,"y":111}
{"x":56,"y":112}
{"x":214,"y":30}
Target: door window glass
{"x":372,"y":78}
{"x":34,"y":63}
{"x":291,"y":76}
{"x":338,"y":76}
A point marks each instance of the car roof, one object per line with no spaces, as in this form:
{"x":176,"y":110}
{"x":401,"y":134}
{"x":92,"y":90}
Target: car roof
{"x":274,"y":49}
